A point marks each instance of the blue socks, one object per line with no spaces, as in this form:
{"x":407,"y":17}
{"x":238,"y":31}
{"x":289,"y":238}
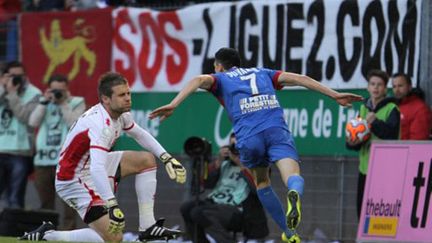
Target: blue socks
{"x":271,"y":203}
{"x":296,"y":182}
{"x":273,"y":206}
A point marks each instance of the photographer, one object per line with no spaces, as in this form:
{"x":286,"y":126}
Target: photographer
{"x":232,"y":205}
{"x":18,"y":98}
{"x":56,"y":112}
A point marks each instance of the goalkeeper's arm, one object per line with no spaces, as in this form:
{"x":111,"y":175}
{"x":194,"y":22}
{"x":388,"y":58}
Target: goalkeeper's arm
{"x":145,"y":139}
{"x":174,"y":168}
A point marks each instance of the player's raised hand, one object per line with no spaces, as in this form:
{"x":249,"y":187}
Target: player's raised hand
{"x":174,"y":168}
{"x":346,"y":99}
{"x":163,"y":112}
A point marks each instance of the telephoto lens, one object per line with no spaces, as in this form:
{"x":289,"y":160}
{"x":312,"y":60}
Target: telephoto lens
{"x":195,"y":147}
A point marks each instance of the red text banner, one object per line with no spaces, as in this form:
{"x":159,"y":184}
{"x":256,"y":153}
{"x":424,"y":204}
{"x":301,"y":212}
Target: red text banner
{"x":335,"y":42}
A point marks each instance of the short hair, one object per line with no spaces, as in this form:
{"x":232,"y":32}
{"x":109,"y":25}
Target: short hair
{"x":13,"y":64}
{"x":378,"y":73}
{"x":58,"y":78}
{"x":403,"y":75}
{"x":107,"y":81}
{"x":228,"y":57}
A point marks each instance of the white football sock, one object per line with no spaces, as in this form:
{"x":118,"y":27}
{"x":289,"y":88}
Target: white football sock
{"x":79,"y":235}
{"x":145,"y":186}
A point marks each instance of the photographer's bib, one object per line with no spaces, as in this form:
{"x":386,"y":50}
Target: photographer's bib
{"x":52,"y":133}
{"x":232,"y":188}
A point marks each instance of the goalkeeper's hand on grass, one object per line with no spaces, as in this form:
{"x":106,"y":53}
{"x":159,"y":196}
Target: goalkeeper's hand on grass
{"x":174,"y":168}
{"x":116,"y":217}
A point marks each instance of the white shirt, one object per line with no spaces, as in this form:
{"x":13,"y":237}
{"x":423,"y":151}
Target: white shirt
{"x":84,"y":152}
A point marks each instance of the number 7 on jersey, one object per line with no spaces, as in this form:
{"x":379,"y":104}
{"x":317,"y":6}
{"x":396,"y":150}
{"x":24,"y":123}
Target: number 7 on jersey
{"x":252,"y":81}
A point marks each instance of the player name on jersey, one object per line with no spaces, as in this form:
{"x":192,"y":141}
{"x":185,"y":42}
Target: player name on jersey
{"x":241,"y":71}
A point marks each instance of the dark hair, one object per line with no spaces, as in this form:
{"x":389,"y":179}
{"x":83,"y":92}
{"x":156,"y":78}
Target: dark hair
{"x":228,"y":58}
{"x":58,"y":78}
{"x":378,"y":73}
{"x":107,"y":81}
{"x":403,"y":75}
{"x":12,"y":64}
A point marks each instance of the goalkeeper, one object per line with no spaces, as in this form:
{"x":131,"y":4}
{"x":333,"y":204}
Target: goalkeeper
{"x":88,"y":172}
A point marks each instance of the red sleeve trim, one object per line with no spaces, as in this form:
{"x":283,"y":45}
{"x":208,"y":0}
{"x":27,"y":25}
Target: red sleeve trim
{"x":130,"y":127}
{"x":214,"y":85}
{"x":275,"y":78}
{"x":99,"y":147}
{"x":221,"y":101}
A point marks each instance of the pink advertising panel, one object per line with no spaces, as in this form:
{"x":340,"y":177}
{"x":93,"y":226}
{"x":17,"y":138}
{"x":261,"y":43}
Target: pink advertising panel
{"x":396,"y":201}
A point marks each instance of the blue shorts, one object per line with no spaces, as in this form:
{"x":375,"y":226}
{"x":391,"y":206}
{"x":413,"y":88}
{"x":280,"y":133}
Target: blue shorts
{"x":267,"y":147}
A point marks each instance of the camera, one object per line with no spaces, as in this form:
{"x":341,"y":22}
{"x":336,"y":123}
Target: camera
{"x":17,"y":80}
{"x":58,"y":94}
{"x":197,"y":147}
{"x":233,"y":149}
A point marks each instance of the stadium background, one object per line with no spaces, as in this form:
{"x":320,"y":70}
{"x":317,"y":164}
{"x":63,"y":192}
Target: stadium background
{"x":317,"y":122}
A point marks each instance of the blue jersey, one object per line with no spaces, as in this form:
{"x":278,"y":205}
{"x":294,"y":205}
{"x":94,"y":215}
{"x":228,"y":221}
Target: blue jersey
{"x":249,"y":97}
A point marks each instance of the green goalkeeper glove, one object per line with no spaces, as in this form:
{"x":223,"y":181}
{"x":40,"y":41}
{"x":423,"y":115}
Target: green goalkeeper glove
{"x":116,"y":217}
{"x":175,"y":170}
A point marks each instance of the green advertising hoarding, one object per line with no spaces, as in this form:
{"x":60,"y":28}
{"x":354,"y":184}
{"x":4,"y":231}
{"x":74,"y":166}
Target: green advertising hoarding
{"x":316,"y":121}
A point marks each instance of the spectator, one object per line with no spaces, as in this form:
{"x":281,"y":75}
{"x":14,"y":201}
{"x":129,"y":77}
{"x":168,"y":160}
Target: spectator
{"x":44,"y":5}
{"x":9,"y":9}
{"x":18,"y":98}
{"x":222,"y":209}
{"x":416,"y":116}
{"x":382,"y":115}
{"x":76,"y":5}
{"x":54,"y":115}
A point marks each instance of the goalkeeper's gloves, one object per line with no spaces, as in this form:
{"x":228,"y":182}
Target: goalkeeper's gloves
{"x":175,"y":170}
{"x":116,"y":217}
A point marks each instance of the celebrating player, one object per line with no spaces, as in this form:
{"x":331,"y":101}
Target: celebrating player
{"x":248,"y":95}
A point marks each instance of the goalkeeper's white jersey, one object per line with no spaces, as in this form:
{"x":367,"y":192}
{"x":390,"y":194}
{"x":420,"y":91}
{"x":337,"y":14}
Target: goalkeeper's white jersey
{"x":95,"y":129}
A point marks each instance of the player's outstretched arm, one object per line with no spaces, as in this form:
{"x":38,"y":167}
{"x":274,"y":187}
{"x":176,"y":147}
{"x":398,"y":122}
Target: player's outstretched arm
{"x":201,"y":81}
{"x":293,"y":79}
{"x":346,"y":99}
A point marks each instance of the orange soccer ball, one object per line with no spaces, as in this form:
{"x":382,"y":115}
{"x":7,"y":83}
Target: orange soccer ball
{"x":357,"y":128}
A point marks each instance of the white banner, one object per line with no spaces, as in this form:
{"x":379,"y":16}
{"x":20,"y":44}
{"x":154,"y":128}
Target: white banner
{"x":335,"y":42}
